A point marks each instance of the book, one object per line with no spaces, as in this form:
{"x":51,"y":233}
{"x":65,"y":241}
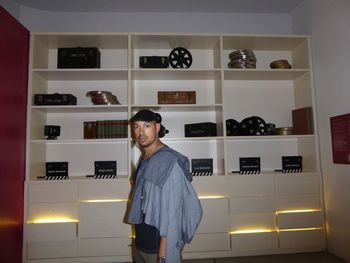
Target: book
{"x":302,"y":121}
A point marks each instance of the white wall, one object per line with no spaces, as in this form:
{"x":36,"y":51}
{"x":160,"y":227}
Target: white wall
{"x":328,"y":22}
{"x":247,"y":23}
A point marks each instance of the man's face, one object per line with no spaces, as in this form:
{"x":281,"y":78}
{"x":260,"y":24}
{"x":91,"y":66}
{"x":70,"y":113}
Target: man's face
{"x":146,"y":133}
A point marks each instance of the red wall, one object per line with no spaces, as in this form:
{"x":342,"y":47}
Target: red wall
{"x":14,"y":46}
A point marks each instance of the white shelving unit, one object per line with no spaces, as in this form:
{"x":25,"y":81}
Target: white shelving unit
{"x":266,"y":213}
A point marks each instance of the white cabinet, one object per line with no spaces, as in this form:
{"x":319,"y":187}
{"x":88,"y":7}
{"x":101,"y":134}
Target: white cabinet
{"x":243,"y":214}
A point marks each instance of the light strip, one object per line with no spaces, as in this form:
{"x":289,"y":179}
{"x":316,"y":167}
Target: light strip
{"x":299,"y":229}
{"x":104,"y":201}
{"x":298,"y":211}
{"x":211,"y":196}
{"x":252,"y":231}
{"x":52,"y":220}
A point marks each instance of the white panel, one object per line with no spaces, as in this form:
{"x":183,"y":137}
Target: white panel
{"x":250,"y":185}
{"x":53,"y":210}
{"x":109,"y":210}
{"x":103,"y":228}
{"x":300,"y":220}
{"x":297,"y":202}
{"x":112,"y":189}
{"x":253,"y":221}
{"x":242,"y":205}
{"x":215,"y":216}
{"x":59,"y":249}
{"x":105,"y":247}
{"x":289,"y":184}
{"x":50,"y":232}
{"x":210,"y":185}
{"x":208,"y":242}
{"x":254,"y":241}
{"x":52,"y":192}
{"x":302,"y":239}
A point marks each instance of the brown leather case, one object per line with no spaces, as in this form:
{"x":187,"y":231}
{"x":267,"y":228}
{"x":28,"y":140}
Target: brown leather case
{"x":176,"y":97}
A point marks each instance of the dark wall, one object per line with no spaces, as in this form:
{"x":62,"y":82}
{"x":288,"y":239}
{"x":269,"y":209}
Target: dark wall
{"x":14,"y":46}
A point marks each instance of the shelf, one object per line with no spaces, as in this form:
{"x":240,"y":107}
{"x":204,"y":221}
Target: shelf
{"x":269,"y":137}
{"x":81,"y":141}
{"x":275,"y":173}
{"x":193,"y":139}
{"x":81,"y":109}
{"x":176,"y":74}
{"x":83,"y":74}
{"x":264,"y":74}
{"x":178,"y":107}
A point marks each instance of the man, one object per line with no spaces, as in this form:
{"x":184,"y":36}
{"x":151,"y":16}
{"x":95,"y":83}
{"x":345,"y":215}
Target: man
{"x":164,"y":206}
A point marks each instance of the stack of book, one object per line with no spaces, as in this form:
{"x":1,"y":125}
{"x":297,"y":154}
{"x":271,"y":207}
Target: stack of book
{"x":104,"y":129}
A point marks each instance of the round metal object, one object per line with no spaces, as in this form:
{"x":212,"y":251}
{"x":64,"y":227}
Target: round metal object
{"x":284,"y":131}
{"x":180,"y":58}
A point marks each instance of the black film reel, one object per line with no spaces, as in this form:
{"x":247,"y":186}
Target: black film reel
{"x":252,"y":126}
{"x":180,"y":58}
{"x":232,"y":127}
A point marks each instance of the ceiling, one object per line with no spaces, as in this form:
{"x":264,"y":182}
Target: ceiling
{"x":192,"y":6}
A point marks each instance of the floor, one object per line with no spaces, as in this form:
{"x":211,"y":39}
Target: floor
{"x":319,"y":257}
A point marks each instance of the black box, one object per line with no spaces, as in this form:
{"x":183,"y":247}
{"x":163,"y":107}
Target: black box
{"x":55,"y":99}
{"x":105,"y":169}
{"x":202,"y":166}
{"x":203,"y":129}
{"x":79,"y":57}
{"x":56,"y":169}
{"x":153,"y":62}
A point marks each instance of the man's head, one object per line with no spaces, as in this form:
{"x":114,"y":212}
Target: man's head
{"x":146,"y":126}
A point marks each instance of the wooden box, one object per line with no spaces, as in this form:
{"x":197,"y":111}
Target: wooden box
{"x":176,"y":97}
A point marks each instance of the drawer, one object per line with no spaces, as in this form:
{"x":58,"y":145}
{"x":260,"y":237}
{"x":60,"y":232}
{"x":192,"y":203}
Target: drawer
{"x":297,"y":202}
{"x":215,"y":216}
{"x":52,"y":192}
{"x":113,"y":189}
{"x":106,"y":210}
{"x":103,"y":228}
{"x":253,"y":221}
{"x":254,"y":241}
{"x":302,"y":239}
{"x":300,"y":220}
{"x":209,"y":242}
{"x":105,"y":247}
{"x":210,"y":185}
{"x":296,"y":184}
{"x":52,"y":211}
{"x":251,"y":185}
{"x":246,"y":205}
{"x":50,"y":232}
{"x":57,"y":249}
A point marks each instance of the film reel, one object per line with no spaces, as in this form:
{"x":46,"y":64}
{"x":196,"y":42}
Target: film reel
{"x":180,"y":58}
{"x":232,"y":127}
{"x":252,"y":126}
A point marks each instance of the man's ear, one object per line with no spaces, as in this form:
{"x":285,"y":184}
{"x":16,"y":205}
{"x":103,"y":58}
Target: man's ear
{"x":158,"y":127}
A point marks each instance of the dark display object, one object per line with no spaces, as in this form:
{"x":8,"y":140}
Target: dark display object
{"x":180,"y":57}
{"x":249,"y":165}
{"x":79,"y":57}
{"x":203,"y":129}
{"x":153,"y":62}
{"x":292,"y":164}
{"x":56,"y":170}
{"x":252,"y":126}
{"x":52,"y":131}
{"x":55,"y":99}
{"x":202,"y":167}
{"x":105,"y":169}
{"x":232,"y":127}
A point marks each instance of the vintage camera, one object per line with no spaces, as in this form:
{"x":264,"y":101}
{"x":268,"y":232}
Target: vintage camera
{"x":52,"y":131}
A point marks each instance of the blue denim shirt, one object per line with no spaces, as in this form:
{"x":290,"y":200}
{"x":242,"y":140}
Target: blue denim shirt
{"x":164,"y":197}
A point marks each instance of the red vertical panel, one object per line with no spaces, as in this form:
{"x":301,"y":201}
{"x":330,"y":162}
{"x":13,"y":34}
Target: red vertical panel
{"x":14,"y":46}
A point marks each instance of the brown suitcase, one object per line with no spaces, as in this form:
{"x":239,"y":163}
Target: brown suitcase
{"x":176,"y":97}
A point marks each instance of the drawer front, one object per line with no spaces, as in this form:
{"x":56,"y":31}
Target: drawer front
{"x":52,"y":192}
{"x":300,"y":220}
{"x":253,"y":221}
{"x":52,"y":211}
{"x":243,"y":205}
{"x":57,"y":249}
{"x":113,"y":189}
{"x":302,"y":239}
{"x":292,"y":184}
{"x":215,"y":216}
{"x":254,"y":241}
{"x":108,"y":210}
{"x":105,"y":247}
{"x":251,"y":185}
{"x":50,"y":232}
{"x":209,"y":242}
{"x":100,"y":228}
